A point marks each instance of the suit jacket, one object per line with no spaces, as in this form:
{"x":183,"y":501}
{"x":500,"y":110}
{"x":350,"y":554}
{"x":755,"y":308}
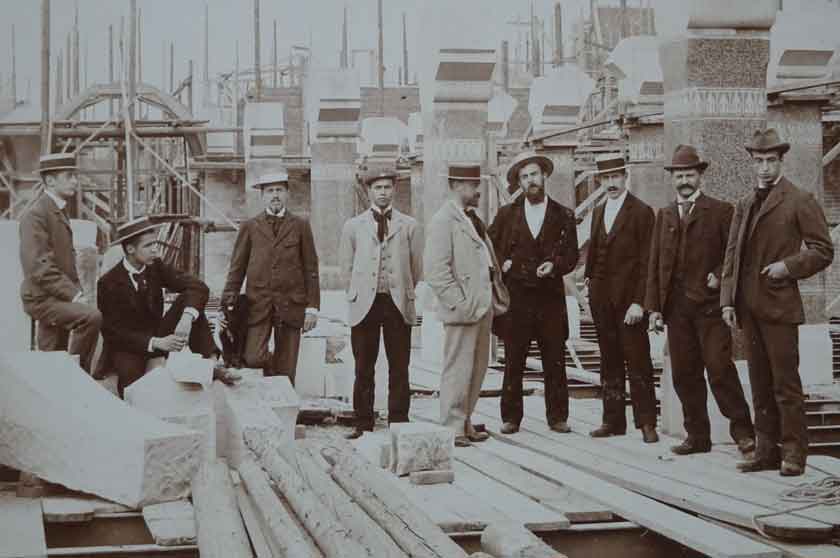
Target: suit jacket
{"x":628,"y":243}
{"x":707,"y":231}
{"x":788,"y":217}
{"x":47,"y":255}
{"x":359,"y":254}
{"x":457,"y":271}
{"x":282,"y":271}
{"x":128,"y":321}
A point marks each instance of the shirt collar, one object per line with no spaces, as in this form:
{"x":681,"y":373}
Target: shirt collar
{"x":131,"y":269}
{"x":282,"y":213}
{"x":55,"y":198}
{"x":619,"y":201}
{"x":778,"y":179}
{"x":692,"y":198}
{"x":377,"y":210}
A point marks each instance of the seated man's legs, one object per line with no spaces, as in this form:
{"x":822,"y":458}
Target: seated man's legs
{"x":201,"y":338}
{"x":56,"y":319}
{"x":130,"y":367}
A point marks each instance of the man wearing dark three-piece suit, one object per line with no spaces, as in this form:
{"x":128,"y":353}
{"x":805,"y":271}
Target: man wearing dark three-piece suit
{"x":683,"y":291}
{"x":536,"y":240}
{"x":616,"y":274}
{"x":760,"y":293}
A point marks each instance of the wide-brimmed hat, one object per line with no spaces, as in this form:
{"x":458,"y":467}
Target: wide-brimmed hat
{"x":273,"y":177}
{"x":523,"y":159}
{"x":686,"y":158}
{"x":57,"y":162}
{"x":468,"y":172}
{"x":610,"y":162}
{"x":371,"y":177}
{"x":767,"y":140}
{"x":134,"y":228}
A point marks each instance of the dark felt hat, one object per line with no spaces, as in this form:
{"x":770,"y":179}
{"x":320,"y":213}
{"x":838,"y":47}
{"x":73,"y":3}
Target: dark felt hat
{"x":467,"y":172}
{"x":686,"y":158}
{"x":767,"y":140}
{"x":610,"y":162}
{"x":523,"y":159}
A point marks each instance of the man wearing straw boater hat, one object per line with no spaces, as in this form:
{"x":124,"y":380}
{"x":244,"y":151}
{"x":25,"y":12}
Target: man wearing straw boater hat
{"x":536,"y":240}
{"x":51,"y":291}
{"x":460,"y":267}
{"x":616,"y":273}
{"x":275,"y":254}
{"x":760,"y":293}
{"x":381,"y":255}
{"x":138,"y":334}
{"x":683,"y":291}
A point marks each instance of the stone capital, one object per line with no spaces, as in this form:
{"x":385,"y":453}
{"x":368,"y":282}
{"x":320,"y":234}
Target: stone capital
{"x":339,"y":118}
{"x":726,"y":14}
{"x":464,"y":76}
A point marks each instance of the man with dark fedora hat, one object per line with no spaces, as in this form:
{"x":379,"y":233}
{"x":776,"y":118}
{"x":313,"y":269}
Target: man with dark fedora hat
{"x":460,"y":267}
{"x":683,"y":290}
{"x":51,"y":291}
{"x":138,"y":334}
{"x":616,"y":274}
{"x":381,"y":255}
{"x":536,"y":240}
{"x":760,"y":293}
{"x":275,"y":254}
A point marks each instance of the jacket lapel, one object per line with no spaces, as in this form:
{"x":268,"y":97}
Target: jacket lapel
{"x":621,"y":218}
{"x":123,"y":281}
{"x":464,"y":221}
{"x":395,"y":225}
{"x":774,"y":198}
{"x":265,"y":227}
{"x":697,"y":210}
{"x":285,"y":227}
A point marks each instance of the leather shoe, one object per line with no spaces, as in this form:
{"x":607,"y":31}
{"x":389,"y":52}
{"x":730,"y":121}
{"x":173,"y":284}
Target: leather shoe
{"x":478,"y":436}
{"x":357,"y":433}
{"x":509,"y":428}
{"x":758,"y":464}
{"x":606,"y":430}
{"x":690,"y":446}
{"x":746,"y":446}
{"x":649,"y":434}
{"x":462,"y":442}
{"x":560,"y":426}
{"x":791,"y":469}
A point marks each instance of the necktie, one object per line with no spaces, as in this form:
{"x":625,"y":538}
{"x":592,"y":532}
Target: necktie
{"x":275,"y":221}
{"x":761,"y":195}
{"x":476,"y":221}
{"x":685,"y":209}
{"x":381,"y":223}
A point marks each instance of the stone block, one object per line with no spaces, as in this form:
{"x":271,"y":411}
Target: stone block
{"x":508,"y":539}
{"x":432,"y":477}
{"x":190,"y":368}
{"x":59,"y":424}
{"x":190,"y":405}
{"x":171,"y":523}
{"x":421,"y":447}
{"x":310,"y":380}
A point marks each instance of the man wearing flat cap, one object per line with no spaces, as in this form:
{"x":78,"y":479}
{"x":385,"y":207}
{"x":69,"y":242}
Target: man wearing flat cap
{"x":616,"y":274}
{"x":51,"y":291}
{"x":460,"y":267}
{"x":381,"y":261}
{"x":760,"y":293}
{"x":536,"y":240}
{"x":275,"y":253}
{"x":683,"y":291}
{"x":138,"y":334}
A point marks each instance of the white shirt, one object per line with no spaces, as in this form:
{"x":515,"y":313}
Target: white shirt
{"x":762,"y":186}
{"x":281,"y":213}
{"x":611,"y":209}
{"x":60,"y":202}
{"x":535,"y":215}
{"x":692,"y":198}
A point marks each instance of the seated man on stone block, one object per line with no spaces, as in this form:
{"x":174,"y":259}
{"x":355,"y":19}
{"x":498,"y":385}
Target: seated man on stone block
{"x":138,"y":334}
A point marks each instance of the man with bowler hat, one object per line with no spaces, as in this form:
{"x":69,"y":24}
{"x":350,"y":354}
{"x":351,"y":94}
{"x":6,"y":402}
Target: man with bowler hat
{"x":683,"y":290}
{"x":760,"y":293}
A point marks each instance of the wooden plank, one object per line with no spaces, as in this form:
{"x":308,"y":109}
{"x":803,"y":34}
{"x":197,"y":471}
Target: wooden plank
{"x":21,"y":528}
{"x":789,"y":550}
{"x":76,"y":508}
{"x":252,"y":523}
{"x":172,"y":523}
{"x":221,"y":532}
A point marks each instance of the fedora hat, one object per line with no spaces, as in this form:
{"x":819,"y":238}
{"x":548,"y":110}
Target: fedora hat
{"x":685,"y":158}
{"x":57,"y":162}
{"x":134,"y":228}
{"x":546,"y":164}
{"x":468,"y":172}
{"x":273,"y":177}
{"x":372,"y":177}
{"x":767,"y":140}
{"x":610,"y":162}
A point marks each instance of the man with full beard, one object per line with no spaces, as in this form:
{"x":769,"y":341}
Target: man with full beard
{"x":536,"y":240}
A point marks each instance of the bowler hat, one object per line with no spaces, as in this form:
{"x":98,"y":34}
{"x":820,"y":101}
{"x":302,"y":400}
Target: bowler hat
{"x":767,"y":140}
{"x":372,"y":177}
{"x":57,"y":162}
{"x":134,"y":228}
{"x":610,"y":162}
{"x":686,"y":158}
{"x":274,"y":177}
{"x":546,"y":164}
{"x":468,"y":172}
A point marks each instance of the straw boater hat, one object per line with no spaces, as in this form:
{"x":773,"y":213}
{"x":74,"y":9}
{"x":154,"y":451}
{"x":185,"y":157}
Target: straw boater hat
{"x":468,"y":172}
{"x":372,"y":177}
{"x":134,"y":228}
{"x":523,"y":159}
{"x":274,"y":177}
{"x":768,"y":140}
{"x":610,"y":162}
{"x":57,"y":162}
{"x":686,"y":158}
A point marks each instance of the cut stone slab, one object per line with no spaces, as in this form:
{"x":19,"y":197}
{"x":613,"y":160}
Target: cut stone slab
{"x":190,"y":368}
{"x":56,"y":422}
{"x":77,"y":508}
{"x":158,"y":394}
{"x":421,"y":447}
{"x":21,"y":528}
{"x":512,"y":540}
{"x":312,"y":366}
{"x":172,"y":523}
{"x":432,"y":477}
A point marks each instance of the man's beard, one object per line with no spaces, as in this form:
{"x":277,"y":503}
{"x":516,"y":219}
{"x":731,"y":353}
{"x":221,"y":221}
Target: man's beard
{"x":535,"y":195}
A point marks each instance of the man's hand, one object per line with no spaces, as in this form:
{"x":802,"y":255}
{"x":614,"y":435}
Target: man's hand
{"x":545,"y":269}
{"x":221,"y":322}
{"x":507,"y":265}
{"x":634,"y":314}
{"x":655,"y":323}
{"x":712,"y":281}
{"x":776,"y":270}
{"x":184,"y":326}
{"x":169,"y":344}
{"x":729,"y":317}
{"x":309,"y":322}
{"x":225,"y":375}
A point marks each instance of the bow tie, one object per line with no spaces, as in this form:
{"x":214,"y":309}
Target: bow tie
{"x":140,"y":280}
{"x":381,"y":223}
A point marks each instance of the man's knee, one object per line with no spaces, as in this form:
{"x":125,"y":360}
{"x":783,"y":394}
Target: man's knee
{"x":93,"y":318}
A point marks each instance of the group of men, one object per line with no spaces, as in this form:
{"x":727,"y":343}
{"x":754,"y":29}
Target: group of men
{"x":699,"y":266}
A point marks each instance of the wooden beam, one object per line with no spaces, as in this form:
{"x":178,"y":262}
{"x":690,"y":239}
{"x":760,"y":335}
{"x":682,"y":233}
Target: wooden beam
{"x":513,"y":540}
{"x":221,"y":532}
{"x":831,"y":155}
{"x":251,"y":519}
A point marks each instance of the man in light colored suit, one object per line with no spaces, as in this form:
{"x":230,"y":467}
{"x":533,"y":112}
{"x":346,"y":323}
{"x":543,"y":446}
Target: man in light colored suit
{"x":380,"y":255}
{"x":460,"y":266}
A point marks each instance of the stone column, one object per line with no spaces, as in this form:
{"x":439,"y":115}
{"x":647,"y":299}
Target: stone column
{"x":334,"y":157}
{"x":646,"y":158}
